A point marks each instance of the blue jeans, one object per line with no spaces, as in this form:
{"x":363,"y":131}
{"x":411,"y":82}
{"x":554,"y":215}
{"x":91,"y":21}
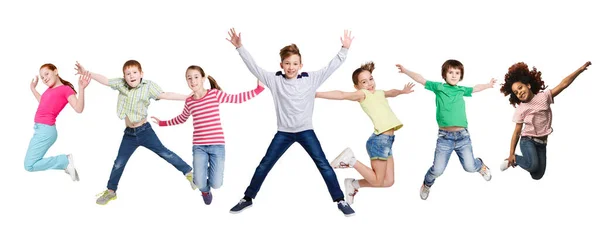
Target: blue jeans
{"x":280,"y":143}
{"x":533,"y":157}
{"x":142,"y":136}
{"x":459,"y":142}
{"x":43,"y":138}
{"x":205,"y":176}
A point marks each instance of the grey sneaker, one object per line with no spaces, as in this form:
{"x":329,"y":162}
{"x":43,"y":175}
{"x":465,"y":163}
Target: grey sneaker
{"x":343,"y":160}
{"x":207,"y":197}
{"x":241,"y":206}
{"x":105,"y":197}
{"x":71,"y":168}
{"x":350,"y":190}
{"x":190,"y":177}
{"x":485,"y":171}
{"x":424,"y":192}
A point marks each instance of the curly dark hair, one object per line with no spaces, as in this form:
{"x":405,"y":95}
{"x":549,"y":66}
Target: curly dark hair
{"x":519,"y":72}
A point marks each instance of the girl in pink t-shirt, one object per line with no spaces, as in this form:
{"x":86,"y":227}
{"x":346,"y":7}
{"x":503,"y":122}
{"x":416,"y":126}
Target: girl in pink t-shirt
{"x":51,"y":103}
{"x":533,"y":115}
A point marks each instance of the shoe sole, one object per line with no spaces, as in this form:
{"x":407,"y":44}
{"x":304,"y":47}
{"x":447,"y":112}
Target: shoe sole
{"x":337,"y":159}
{"x":111,"y":199}
{"x":237,"y":212}
{"x":348,"y":215}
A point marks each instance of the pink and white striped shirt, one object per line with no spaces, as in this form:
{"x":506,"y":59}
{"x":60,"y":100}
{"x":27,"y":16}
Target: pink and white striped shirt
{"x":536,"y":115}
{"x":206,"y":114}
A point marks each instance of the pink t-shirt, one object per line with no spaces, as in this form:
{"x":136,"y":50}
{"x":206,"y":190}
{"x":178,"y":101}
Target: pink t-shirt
{"x":53,"y":100}
{"x":536,"y":115}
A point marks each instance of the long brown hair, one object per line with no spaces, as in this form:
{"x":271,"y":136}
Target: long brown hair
{"x":213,"y":82}
{"x":53,"y":68}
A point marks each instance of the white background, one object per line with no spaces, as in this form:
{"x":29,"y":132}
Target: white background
{"x":293,"y":208}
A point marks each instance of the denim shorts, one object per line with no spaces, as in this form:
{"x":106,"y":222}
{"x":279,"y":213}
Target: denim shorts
{"x":379,"y":146}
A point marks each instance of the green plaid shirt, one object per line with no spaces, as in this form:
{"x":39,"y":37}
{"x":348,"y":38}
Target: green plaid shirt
{"x":133,"y":103}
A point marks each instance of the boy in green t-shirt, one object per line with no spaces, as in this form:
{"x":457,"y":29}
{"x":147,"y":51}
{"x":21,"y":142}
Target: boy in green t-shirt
{"x":451,"y":117}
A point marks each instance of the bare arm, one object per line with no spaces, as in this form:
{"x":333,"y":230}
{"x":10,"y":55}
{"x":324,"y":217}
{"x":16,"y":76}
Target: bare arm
{"x":481,"y":87}
{"x":415,"y":76}
{"x":173,"y":96}
{"x":96,"y":77}
{"x":78,"y":103}
{"x":339,"y":95}
{"x":395,"y":92}
{"x":568,"y":80}
{"x":513,"y":143}
{"x":36,"y":94}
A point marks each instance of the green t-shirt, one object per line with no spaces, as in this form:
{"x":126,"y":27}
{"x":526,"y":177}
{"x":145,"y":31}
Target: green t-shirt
{"x":449,"y":103}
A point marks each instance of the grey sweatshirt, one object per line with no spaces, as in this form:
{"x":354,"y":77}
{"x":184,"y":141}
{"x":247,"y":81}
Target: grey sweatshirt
{"x":294,"y":98}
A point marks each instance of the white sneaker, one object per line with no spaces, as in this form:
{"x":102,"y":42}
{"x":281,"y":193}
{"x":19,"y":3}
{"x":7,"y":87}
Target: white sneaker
{"x":485,"y":171}
{"x":71,"y":168}
{"x":504,"y":165}
{"x":344,"y":159}
{"x":424,"y":192}
{"x":350,"y":190}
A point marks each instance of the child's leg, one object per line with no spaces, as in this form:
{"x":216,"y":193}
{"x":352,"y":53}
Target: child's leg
{"x":149,"y":140}
{"x":280,"y":143}
{"x":529,"y":160}
{"x":464,"y":150}
{"x":310,"y":143}
{"x":43,"y":138}
{"x":201,"y":167}
{"x":541,"y":169}
{"x":128,"y":145}
{"x":216,"y":170}
{"x":443,"y":150}
{"x":379,"y":148}
{"x":374,"y":176}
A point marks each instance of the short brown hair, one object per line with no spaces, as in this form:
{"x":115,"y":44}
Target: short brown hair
{"x":451,"y":63}
{"x":132,"y":63}
{"x":289,"y":50}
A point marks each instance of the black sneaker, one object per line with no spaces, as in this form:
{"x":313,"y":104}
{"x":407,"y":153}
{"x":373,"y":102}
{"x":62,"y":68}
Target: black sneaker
{"x":345,"y":208}
{"x":243,"y":204}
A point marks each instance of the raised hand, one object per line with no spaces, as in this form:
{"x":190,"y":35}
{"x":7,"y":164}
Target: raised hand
{"x":347,"y":39}
{"x":234,"y":38}
{"x":401,"y":68}
{"x":408,"y":88}
{"x":156,"y":120}
{"x":584,"y":67}
{"x":34,"y":82}
{"x":491,"y":83}
{"x":79,"y":68}
{"x":84,"y":79}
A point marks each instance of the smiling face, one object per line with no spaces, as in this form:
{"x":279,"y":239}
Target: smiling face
{"x":365,"y":81}
{"x":522,"y":91}
{"x":195,"y":80}
{"x":49,"y":76}
{"x":291,"y":65}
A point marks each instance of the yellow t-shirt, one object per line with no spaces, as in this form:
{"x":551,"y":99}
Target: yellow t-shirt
{"x":377,"y":108}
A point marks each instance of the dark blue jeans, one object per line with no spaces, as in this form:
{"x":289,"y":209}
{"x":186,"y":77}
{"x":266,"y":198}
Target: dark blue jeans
{"x":280,"y":143}
{"x":142,"y":136}
{"x":533,"y":158}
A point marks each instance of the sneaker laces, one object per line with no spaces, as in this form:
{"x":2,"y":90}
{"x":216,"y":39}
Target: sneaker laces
{"x":241,"y":201}
{"x":102,"y":194}
{"x":344,"y":203}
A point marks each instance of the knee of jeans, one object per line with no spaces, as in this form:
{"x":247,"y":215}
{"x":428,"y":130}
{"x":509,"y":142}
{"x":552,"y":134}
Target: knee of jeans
{"x":29,"y":166}
{"x":118,"y":165}
{"x":216,"y":185}
{"x":470,"y":166}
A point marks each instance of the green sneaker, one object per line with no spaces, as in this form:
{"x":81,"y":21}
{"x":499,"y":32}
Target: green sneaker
{"x":190,"y":177}
{"x":106,"y":197}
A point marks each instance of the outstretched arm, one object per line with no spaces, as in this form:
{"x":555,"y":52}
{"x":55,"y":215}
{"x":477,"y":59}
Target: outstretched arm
{"x":33,"y":84}
{"x":78,"y":103}
{"x":96,"y":77}
{"x":324,"y":73}
{"x":339,"y":95}
{"x":224,"y":97}
{"x":173,"y":96}
{"x":513,"y":143}
{"x":236,"y":40}
{"x":568,"y":80}
{"x":176,"y":120}
{"x":395,"y":92}
{"x":415,"y":76}
{"x":481,"y":87}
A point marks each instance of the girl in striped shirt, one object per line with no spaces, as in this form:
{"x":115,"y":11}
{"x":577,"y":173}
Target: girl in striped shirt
{"x":532,"y":103}
{"x":208,"y":140}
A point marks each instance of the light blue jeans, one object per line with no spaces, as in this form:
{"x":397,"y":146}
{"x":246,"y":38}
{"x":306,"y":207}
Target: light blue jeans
{"x":43,"y":138}
{"x":209,"y":166}
{"x":447,"y":142}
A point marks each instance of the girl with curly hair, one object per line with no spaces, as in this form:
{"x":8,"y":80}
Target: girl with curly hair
{"x":532,"y":103}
